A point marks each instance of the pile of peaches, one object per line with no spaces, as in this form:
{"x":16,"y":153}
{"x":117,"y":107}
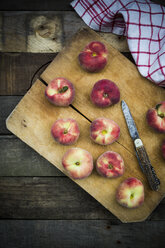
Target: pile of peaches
{"x":78,"y":162}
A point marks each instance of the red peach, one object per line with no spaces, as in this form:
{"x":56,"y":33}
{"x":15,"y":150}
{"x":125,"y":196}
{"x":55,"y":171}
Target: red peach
{"x":105,"y":93}
{"x":156,"y":117}
{"x":163,"y":148}
{"x":130,"y":193}
{"x":110,"y":164}
{"x":104,"y":131}
{"x":78,"y":163}
{"x":94,"y":56}
{"x":65,"y":131}
{"x":60,"y":92}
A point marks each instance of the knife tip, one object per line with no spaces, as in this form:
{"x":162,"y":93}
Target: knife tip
{"x":122,"y":102}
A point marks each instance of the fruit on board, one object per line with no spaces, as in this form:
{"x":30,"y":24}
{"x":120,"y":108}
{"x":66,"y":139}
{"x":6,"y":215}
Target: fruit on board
{"x":78,"y":163}
{"x":104,"y":131}
{"x":110,"y":164}
{"x":163,"y":148}
{"x":105,"y":93}
{"x":156,"y":117}
{"x":60,"y":92}
{"x":65,"y":131}
{"x":130,"y":193}
{"x":94,"y":56}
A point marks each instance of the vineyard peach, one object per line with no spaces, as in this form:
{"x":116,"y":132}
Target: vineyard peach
{"x":105,"y":93}
{"x":78,"y":163}
{"x":104,"y":131}
{"x":130,"y":193}
{"x":156,"y":117}
{"x":60,"y":92}
{"x":94,"y":56}
{"x":65,"y":131}
{"x":110,"y":164}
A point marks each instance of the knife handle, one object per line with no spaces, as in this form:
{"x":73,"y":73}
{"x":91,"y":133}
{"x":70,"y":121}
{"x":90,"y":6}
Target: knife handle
{"x":146,"y":166}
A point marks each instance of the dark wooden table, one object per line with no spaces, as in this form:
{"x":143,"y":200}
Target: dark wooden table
{"x":39,"y":206}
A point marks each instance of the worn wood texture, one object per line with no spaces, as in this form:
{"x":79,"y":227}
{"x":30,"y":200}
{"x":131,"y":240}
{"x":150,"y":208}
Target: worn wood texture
{"x":18,"y":159}
{"x":52,"y":198}
{"x":80,"y":233}
{"x":47,"y":198}
{"x":7,"y":104}
{"x":32,"y":125}
{"x":44,"y":32}
{"x":15,"y":83}
{"x":36,"y":5}
{"x":44,"y":5}
{"x":19,"y":71}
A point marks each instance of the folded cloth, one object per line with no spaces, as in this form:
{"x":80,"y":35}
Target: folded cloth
{"x":141,"y":21}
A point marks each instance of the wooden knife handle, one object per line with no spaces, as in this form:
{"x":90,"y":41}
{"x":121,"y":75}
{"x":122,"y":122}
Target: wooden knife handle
{"x":146,"y":166}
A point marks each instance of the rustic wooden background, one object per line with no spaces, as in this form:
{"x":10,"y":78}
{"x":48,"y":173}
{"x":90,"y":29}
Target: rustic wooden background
{"x":39,"y":206}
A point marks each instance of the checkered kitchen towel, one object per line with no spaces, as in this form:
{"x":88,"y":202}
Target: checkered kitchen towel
{"x":141,"y":21}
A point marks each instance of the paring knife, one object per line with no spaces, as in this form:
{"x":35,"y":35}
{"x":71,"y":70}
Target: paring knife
{"x":141,"y":153}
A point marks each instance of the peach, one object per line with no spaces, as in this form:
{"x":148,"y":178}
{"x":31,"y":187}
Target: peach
{"x":110,"y":164}
{"x":65,"y":131}
{"x":78,"y":163}
{"x":60,"y":92}
{"x":105,"y":93}
{"x":130,"y":193}
{"x":156,"y":117}
{"x":94,"y":56}
{"x":163,"y":148}
{"x":104,"y":131}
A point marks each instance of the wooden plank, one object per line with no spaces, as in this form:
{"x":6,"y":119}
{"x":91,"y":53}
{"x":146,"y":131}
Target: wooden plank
{"x":7,"y":104}
{"x":47,"y":198}
{"x":18,"y":70}
{"x":53,"y":198}
{"x":44,"y":5}
{"x":15,"y":83}
{"x":31,"y":121}
{"x":36,"y":5}
{"x":1,"y":38}
{"x":44,"y":32}
{"x":80,"y":233}
{"x":31,"y":32}
{"x":18,"y":159}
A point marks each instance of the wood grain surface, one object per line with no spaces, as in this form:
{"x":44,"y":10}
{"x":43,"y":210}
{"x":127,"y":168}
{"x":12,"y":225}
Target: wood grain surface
{"x":81,"y":233}
{"x":44,"y":32}
{"x":51,"y":196}
{"x":43,"y":143}
{"x":20,"y":70}
{"x":43,"y":5}
{"x":33,"y":127}
{"x":21,"y":178}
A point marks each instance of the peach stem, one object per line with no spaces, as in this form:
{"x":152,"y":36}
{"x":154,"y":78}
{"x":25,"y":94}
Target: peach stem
{"x":110,"y":166}
{"x":63,"y":89}
{"x":131,"y":196}
{"x":105,"y":95}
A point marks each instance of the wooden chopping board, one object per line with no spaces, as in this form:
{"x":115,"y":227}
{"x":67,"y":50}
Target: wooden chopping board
{"x":33,"y":117}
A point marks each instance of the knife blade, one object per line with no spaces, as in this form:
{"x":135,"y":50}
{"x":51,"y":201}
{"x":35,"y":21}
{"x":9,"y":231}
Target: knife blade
{"x":141,"y":152}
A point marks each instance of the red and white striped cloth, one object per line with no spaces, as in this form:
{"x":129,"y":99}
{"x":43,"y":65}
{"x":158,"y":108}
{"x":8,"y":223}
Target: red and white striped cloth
{"x":141,"y":21}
